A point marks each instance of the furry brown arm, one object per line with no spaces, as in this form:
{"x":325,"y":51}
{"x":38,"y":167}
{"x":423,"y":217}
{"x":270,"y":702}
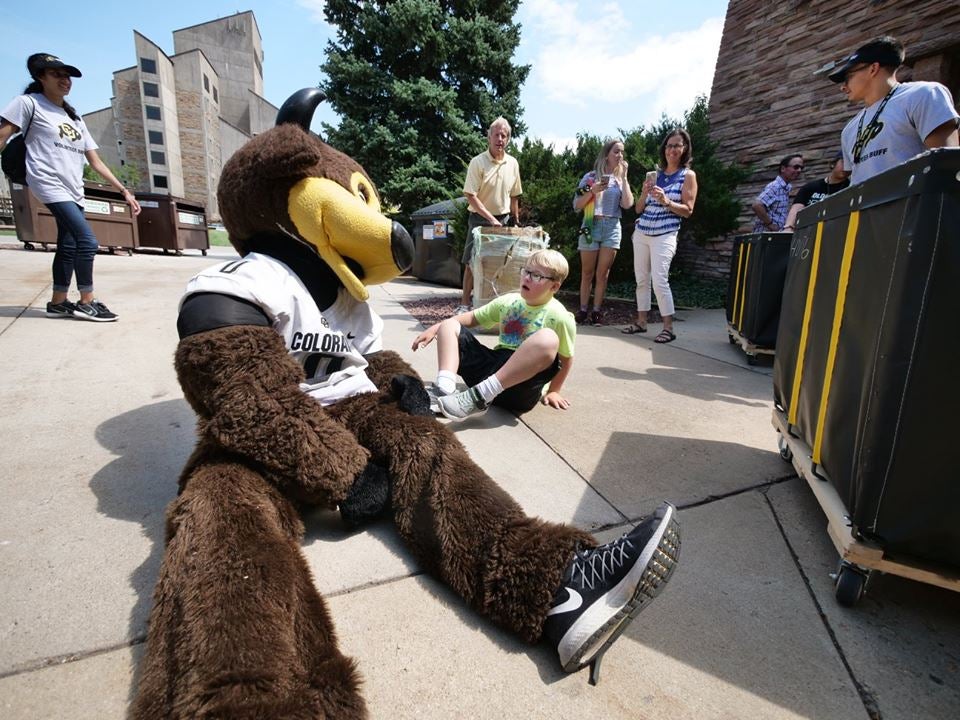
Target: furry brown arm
{"x":245,"y":389}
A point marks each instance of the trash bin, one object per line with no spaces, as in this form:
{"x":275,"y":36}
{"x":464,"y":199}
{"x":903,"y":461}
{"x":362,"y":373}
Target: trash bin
{"x":865,"y":369}
{"x":107,"y":212}
{"x":435,"y":259}
{"x":172,"y":223}
{"x":757,"y":272}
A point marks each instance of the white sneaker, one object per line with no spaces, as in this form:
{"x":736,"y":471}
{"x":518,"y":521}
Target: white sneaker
{"x":462,"y":405}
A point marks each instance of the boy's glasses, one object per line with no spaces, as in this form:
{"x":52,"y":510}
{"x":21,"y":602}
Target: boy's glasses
{"x":535,"y":276}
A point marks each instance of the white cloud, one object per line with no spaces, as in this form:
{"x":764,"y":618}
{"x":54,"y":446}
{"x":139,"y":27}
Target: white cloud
{"x":559,"y":142}
{"x":316,"y":8}
{"x":582,"y":55}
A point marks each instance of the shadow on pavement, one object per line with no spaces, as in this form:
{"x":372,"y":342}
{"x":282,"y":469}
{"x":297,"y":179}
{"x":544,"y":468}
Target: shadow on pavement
{"x":153,"y":443}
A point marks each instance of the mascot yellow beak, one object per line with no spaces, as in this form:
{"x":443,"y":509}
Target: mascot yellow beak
{"x":341,"y":225}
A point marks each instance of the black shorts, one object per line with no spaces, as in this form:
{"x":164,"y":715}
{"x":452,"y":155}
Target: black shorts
{"x":478,"y":362}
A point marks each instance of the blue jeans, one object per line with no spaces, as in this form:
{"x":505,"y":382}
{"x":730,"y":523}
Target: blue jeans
{"x":76,"y":247}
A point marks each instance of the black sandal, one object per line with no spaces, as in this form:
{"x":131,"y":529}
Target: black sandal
{"x":664,"y":337}
{"x":633,"y":329}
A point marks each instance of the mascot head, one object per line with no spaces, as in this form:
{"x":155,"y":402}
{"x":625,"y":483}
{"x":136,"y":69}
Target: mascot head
{"x":288,"y":186}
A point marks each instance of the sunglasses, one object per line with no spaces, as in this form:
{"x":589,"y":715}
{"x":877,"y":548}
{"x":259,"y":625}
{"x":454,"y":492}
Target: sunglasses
{"x":674,"y":146}
{"x":851,"y":71}
{"x":535,"y":276}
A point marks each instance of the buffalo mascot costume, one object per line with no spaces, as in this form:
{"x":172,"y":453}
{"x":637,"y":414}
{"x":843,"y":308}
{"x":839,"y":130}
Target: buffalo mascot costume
{"x":297,"y":404}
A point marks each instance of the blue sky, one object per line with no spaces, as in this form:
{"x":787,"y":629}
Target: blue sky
{"x":596,"y":67}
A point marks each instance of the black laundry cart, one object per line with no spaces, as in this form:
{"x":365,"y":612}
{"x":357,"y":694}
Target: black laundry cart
{"x":865,"y":375}
{"x":758,"y":267}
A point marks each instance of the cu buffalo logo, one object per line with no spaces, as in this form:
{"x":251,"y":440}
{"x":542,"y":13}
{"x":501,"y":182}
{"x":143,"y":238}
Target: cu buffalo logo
{"x":69,"y":132}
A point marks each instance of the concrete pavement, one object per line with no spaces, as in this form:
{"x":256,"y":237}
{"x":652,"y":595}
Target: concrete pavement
{"x":95,"y":431}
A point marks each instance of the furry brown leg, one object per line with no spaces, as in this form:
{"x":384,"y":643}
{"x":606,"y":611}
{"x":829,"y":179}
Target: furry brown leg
{"x":238,"y":629}
{"x":462,"y":526}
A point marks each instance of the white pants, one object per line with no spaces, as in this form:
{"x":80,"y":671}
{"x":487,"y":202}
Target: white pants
{"x":652,"y":255}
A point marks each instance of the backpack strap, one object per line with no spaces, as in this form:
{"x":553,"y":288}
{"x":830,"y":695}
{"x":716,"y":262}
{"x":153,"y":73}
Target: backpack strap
{"x":33,"y":111}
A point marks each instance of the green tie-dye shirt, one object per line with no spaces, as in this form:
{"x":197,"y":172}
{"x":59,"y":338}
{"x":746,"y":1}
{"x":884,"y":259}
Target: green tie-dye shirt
{"x":518,"y":321}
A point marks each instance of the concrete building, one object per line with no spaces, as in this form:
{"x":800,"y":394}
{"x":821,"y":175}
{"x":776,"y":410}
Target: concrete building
{"x":178,"y":118}
{"x":770,"y":96}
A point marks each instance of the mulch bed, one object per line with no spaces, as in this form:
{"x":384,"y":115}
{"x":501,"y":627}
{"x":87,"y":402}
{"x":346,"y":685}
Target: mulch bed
{"x":434,"y":309}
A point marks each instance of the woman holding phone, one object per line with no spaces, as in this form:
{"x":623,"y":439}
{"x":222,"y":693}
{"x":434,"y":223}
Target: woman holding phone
{"x":668,"y":195}
{"x":601,"y":195}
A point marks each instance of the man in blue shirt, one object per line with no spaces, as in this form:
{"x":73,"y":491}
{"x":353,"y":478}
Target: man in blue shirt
{"x":772,"y":205}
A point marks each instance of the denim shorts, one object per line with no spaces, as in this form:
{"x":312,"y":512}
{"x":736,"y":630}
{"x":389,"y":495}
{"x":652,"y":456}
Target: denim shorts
{"x":478,"y":362}
{"x":606,"y":233}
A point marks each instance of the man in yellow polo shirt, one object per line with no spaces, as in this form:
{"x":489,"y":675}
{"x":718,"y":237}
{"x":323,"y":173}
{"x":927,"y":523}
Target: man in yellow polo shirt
{"x":492,"y":188}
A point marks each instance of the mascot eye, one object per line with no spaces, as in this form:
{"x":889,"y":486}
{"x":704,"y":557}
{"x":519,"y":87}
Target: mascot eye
{"x":363,"y":190}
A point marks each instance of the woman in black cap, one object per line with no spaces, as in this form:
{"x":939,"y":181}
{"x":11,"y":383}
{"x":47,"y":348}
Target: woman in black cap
{"x":57,"y":142}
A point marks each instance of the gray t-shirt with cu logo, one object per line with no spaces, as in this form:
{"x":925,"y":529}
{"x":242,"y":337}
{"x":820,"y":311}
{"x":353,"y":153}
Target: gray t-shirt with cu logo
{"x":913,"y":111}
{"x":56,"y":144}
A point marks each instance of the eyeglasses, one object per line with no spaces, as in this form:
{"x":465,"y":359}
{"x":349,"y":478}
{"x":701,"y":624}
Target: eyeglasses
{"x":851,"y":71}
{"x":535,"y":276}
{"x":674,"y":146}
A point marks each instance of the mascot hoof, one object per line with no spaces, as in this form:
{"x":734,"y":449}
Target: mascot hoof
{"x":411,"y":396}
{"x":369,"y":497}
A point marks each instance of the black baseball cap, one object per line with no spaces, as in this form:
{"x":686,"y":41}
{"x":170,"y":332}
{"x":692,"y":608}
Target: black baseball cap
{"x":884,"y":50}
{"x":39,"y":62}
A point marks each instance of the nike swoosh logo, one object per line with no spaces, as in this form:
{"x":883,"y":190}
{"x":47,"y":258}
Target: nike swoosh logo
{"x":351,"y":336}
{"x":571,"y":603}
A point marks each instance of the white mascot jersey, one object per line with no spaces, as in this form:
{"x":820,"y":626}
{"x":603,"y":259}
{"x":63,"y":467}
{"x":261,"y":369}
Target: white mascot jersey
{"x":329,"y":345}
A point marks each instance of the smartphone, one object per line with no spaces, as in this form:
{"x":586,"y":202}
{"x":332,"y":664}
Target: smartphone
{"x":651,"y":177}
{"x":607,"y":179}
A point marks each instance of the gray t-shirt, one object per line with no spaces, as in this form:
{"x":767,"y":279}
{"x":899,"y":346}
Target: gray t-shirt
{"x":913,"y":111}
{"x":56,"y":144}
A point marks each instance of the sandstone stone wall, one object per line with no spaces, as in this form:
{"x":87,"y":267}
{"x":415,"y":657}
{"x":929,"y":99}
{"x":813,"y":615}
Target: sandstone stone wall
{"x":767,"y":100}
{"x":193,"y":154}
{"x":127,"y":110}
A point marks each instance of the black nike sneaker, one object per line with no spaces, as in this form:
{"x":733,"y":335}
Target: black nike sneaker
{"x":605,"y":587}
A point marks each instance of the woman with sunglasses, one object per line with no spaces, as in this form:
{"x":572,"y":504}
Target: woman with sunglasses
{"x":601,"y":195}
{"x":661,"y":204}
{"x":57,"y":142}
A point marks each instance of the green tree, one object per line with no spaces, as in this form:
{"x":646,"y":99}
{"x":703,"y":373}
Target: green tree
{"x":416,"y":84}
{"x":128,"y":175}
{"x":717,"y":206}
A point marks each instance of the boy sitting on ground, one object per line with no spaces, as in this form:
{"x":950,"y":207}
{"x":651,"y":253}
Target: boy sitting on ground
{"x":537,"y":335}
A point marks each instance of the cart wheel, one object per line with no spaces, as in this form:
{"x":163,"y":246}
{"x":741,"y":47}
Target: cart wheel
{"x":751,"y":359}
{"x":28,"y":246}
{"x":204,"y":252}
{"x":786,"y":454}
{"x":850,"y":584}
{"x":732,"y":339}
